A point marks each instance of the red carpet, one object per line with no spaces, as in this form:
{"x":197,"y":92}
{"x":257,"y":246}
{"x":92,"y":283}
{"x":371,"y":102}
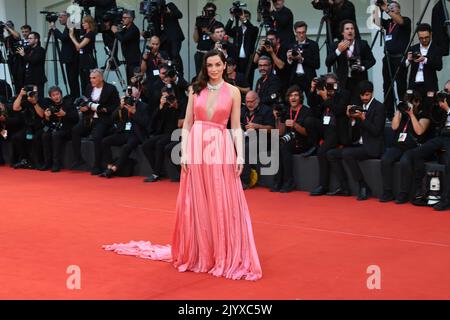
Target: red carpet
{"x":309,"y":248}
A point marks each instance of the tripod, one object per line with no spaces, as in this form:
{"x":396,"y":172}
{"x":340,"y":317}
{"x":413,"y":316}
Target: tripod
{"x":329,"y":37}
{"x":56,"y":58}
{"x":4,"y":61}
{"x":382,"y":34}
{"x":113,"y":64}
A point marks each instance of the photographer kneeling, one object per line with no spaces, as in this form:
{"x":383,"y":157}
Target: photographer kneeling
{"x":60,"y":116}
{"x":410,"y":123}
{"x":293,"y":137}
{"x":130,"y":122}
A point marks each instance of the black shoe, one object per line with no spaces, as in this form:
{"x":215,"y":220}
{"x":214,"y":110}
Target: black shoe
{"x":387,"y":196}
{"x":2,"y":162}
{"x":22,"y":164}
{"x":96,"y":171}
{"x":309,"y":152}
{"x":45,"y":167}
{"x":319,"y":191}
{"x":152,"y":178}
{"x":420,"y":201}
{"x":288,"y":187}
{"x":78,"y":164}
{"x":107,"y":174}
{"x":339,"y":192}
{"x":402,"y":198}
{"x":363,"y":194}
{"x":56,"y":169}
{"x":442,"y":205}
{"x":276,"y":187}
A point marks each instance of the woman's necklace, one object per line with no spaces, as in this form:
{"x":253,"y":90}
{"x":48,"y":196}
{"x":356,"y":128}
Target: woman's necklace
{"x":215,"y":87}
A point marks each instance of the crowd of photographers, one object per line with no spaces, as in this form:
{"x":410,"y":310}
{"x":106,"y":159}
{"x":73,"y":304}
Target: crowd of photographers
{"x":334,"y":116}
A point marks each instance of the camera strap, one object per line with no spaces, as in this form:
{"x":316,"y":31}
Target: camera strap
{"x":297,"y":114}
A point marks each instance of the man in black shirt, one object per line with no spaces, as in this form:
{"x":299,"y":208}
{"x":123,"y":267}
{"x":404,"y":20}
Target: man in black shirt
{"x":129,"y":38}
{"x":152,"y":58}
{"x":60,"y":116}
{"x":283,"y":21}
{"x":69,"y":55}
{"x":15,"y":61}
{"x":337,"y":11}
{"x":268,"y":86}
{"x":254,"y":117}
{"x":398,"y":33}
{"x":34,"y":59}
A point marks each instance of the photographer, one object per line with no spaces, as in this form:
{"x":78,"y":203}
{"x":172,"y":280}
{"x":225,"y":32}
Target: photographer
{"x":368,"y":122}
{"x":337,"y":11}
{"x":60,"y":116}
{"x":268,"y":86}
{"x":398,"y":32}
{"x":164,"y":123}
{"x":129,"y":38}
{"x":272,"y":48}
{"x":102,"y":100}
{"x":282,"y":21}
{"x":425,"y":60}
{"x":409,"y":124}
{"x":86,"y":48}
{"x":244,"y":38}
{"x":3,"y":127}
{"x":26,"y":142}
{"x":69,"y":55}
{"x":15,"y":61}
{"x":101,"y":7}
{"x":34,"y":58}
{"x":130,"y":123}
{"x":203,"y":28}
{"x":329,"y":123}
{"x":303,"y":58}
{"x":441,"y":26}
{"x":255,"y":116}
{"x":151,"y":60}
{"x":354,"y":58}
{"x":427,"y":150}
{"x":167,"y":25}
{"x":293,"y":137}
{"x":220,"y":40}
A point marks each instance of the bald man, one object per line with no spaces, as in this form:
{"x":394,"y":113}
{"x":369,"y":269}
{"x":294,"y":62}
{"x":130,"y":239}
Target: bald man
{"x":152,"y":58}
{"x":255,"y":117}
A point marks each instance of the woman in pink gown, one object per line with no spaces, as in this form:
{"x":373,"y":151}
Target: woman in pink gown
{"x":213,"y":231}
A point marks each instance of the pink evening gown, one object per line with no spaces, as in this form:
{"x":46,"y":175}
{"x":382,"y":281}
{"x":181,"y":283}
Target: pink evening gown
{"x":213,"y":231}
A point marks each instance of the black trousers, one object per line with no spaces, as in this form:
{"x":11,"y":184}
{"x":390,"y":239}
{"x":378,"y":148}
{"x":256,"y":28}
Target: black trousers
{"x":330,"y":138}
{"x":173,"y":49}
{"x":98,"y":130}
{"x":425,"y":152}
{"x":353,"y":87}
{"x":27,"y":149}
{"x":285,"y":173}
{"x":2,"y":160}
{"x":168,"y":152}
{"x":52,"y":142}
{"x":131,"y":67}
{"x":246,"y":172}
{"x":244,"y":65}
{"x":406,"y":158}
{"x":301,"y":81}
{"x":154,"y":150}
{"x":401,"y":82}
{"x":73,"y":78}
{"x":198,"y":58}
{"x":127,"y":141}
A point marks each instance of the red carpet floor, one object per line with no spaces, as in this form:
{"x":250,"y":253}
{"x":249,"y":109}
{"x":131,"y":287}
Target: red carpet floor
{"x":309,"y":248}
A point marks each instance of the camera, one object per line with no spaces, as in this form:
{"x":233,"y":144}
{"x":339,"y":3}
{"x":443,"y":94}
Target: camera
{"x":29,"y":89}
{"x":298,"y":49}
{"x":170,"y":100}
{"x":204,"y":21}
{"x":354,"y":109}
{"x":379,"y":3}
{"x":81,"y":102}
{"x":21,"y":44}
{"x":149,"y":8}
{"x":404,"y":106}
{"x":54,"y":109}
{"x":288,"y":137}
{"x":50,"y":17}
{"x":114,"y":16}
{"x":237,"y":8}
{"x":442,"y":96}
{"x":416,"y":55}
{"x":130,"y":101}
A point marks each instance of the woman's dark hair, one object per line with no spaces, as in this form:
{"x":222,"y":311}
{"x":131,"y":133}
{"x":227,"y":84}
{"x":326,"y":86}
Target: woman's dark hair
{"x":291,"y":90}
{"x":202,"y":78}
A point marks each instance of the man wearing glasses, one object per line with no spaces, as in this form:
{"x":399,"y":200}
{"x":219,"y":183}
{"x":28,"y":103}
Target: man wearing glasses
{"x":425,"y":60}
{"x":129,"y":37}
{"x":34,"y":58}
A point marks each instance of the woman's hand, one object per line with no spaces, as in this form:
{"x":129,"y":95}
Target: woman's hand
{"x":239,"y":166}
{"x":184,"y":164}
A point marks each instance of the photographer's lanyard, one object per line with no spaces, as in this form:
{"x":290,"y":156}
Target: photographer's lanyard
{"x":392,"y":26}
{"x":297,"y":114}
{"x":404,"y":134}
{"x":250,"y":120}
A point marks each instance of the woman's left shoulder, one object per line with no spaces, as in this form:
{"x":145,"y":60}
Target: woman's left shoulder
{"x":233,"y":90}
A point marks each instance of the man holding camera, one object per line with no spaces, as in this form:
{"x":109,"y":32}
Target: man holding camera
{"x":293,"y":137}
{"x":203,"y":27}
{"x":425,"y":60}
{"x":397,"y":34}
{"x":425,"y":151}
{"x":26,"y":142}
{"x":283,"y":21}
{"x":329,"y":123}
{"x":441,"y":26}
{"x":34,"y":59}
{"x":255,"y":116}
{"x":164,"y":123}
{"x":268,"y":86}
{"x":354,"y":58}
{"x":69,"y":55}
{"x":152,"y":58}
{"x":303,"y":58}
{"x":102,"y":99}
{"x":130,"y":123}
{"x":129,"y":38}
{"x":368,"y":123}
{"x":15,"y":61}
{"x":60,"y":116}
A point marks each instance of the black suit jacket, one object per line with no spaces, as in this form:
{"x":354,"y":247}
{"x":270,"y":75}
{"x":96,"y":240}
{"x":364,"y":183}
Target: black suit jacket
{"x":430,"y":70}
{"x":69,"y":53}
{"x":372,"y":129}
{"x":171,"y":25}
{"x":130,"y":39}
{"x":269,"y":89}
{"x":249,"y":38}
{"x":35,"y":72}
{"x":440,"y":31}
{"x":311,"y":54}
{"x":109,"y":101}
{"x":361,"y":50}
{"x":284,"y":25}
